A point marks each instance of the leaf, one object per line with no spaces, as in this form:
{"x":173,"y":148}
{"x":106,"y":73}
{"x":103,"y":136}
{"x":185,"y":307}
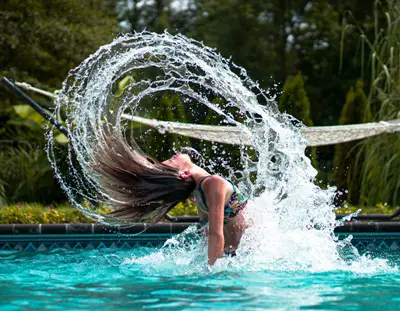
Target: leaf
{"x":123,"y":84}
{"x":61,"y":138}
{"x":28,"y":113}
{"x":28,"y":123}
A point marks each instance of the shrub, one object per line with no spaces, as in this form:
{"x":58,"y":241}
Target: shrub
{"x":187,"y":208}
{"x":294,"y":101}
{"x":380,"y":208}
{"x":34,"y":213}
{"x":27,"y":176}
{"x":347,"y":155}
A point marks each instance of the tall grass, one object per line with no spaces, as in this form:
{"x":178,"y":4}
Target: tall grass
{"x":3,"y":200}
{"x":380,"y":169}
{"x":27,"y":176}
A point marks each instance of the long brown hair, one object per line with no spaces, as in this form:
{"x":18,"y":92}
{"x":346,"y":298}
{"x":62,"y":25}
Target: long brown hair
{"x":137,"y":185}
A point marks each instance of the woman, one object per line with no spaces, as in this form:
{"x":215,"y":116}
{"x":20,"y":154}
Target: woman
{"x":141,"y":187}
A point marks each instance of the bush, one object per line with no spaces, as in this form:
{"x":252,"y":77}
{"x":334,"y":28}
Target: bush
{"x":27,"y":176}
{"x":294,"y":101}
{"x":380,"y":208}
{"x":347,"y":155}
{"x":36,"y":213}
{"x":25,"y":213}
{"x":186,"y":208}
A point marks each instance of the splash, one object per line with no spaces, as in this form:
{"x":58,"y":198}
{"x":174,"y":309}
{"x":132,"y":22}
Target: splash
{"x":292,"y":218}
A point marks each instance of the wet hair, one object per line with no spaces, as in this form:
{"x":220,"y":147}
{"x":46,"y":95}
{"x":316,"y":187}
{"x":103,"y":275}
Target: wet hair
{"x":137,"y":185}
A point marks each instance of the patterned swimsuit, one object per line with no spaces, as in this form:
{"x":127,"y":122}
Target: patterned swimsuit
{"x":233,"y":207}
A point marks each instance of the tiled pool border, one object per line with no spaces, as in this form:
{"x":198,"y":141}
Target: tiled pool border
{"x":42,"y":237}
{"x":367,"y":236}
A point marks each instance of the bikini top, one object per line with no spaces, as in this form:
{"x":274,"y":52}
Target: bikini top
{"x":236,"y":203}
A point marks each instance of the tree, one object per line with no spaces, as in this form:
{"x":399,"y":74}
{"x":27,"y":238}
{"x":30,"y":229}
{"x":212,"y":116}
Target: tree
{"x":270,"y":39}
{"x":294,"y":101}
{"x":40,"y":42}
{"x":347,"y":155}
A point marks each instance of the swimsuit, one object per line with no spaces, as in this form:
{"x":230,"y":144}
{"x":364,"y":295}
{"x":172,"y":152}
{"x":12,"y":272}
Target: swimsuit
{"x":233,"y":207}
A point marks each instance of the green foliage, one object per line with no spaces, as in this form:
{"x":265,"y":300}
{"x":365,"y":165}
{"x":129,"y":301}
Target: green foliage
{"x":356,"y":109}
{"x":295,"y":102}
{"x":40,"y":41}
{"x":380,"y":169}
{"x":34,"y":213}
{"x":27,"y":176}
{"x":2,"y":194}
{"x":166,"y":107}
{"x":29,"y":117}
{"x":270,"y":39}
{"x":26,"y":173}
{"x":186,"y":208}
{"x":379,"y":208}
{"x":347,"y":155}
{"x":380,"y":180}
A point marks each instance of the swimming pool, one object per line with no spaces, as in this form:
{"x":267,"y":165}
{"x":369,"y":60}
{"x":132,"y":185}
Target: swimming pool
{"x":107,"y":279}
{"x":93,"y":274}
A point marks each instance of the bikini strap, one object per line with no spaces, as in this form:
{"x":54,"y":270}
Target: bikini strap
{"x":203,"y":197}
{"x":233,"y":185}
{"x":201,"y":181}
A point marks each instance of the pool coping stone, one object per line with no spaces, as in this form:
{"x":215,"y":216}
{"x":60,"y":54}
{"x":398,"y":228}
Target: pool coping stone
{"x":165,"y":228}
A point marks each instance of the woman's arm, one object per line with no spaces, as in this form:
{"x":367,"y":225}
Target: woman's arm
{"x":202,"y":214}
{"x":215,"y":192}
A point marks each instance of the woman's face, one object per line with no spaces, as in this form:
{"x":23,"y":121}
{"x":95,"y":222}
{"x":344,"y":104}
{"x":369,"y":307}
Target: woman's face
{"x":180,"y":161}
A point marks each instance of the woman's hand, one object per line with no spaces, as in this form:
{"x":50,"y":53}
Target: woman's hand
{"x":215,"y":189}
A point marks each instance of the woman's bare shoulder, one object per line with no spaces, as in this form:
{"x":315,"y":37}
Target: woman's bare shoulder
{"x":214,"y":178}
{"x":213,"y":181}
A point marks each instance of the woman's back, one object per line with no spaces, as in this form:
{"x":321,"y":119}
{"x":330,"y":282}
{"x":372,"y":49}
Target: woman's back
{"x":235,"y":202}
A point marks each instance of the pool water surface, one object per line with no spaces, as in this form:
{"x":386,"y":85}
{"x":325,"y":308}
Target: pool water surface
{"x":110,"y":280}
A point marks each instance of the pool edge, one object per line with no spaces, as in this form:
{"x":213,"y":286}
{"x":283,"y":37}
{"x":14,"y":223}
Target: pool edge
{"x":366,"y":236}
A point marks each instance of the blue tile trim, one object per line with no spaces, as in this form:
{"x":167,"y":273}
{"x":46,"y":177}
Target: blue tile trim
{"x":45,"y":242}
{"x":372,"y":237}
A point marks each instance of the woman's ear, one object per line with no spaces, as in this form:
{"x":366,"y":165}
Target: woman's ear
{"x":185,"y":174}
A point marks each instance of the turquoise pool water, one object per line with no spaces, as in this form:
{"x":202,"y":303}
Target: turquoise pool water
{"x":111,"y":280}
